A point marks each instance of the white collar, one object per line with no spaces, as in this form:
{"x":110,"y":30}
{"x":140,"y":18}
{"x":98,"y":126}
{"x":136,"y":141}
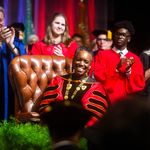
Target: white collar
{"x":124,"y":51}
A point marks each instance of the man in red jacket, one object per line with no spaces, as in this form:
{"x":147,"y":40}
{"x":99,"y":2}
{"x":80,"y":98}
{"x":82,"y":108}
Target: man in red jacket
{"x":119,"y":70}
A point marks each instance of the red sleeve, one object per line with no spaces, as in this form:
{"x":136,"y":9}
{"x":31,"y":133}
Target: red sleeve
{"x":100,"y":66}
{"x":96,"y":101}
{"x":53,"y":91}
{"x":36,"y":49}
{"x":136,"y":81}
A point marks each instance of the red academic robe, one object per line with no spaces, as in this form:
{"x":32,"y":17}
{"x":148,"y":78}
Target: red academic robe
{"x":93,"y":98}
{"x":117,"y":84}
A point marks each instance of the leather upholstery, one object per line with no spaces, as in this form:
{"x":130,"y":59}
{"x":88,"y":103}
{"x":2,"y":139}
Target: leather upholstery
{"x":29,"y":76}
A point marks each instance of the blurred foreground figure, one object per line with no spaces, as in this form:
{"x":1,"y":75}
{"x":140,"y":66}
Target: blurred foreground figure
{"x":66,"y":121}
{"x":125,"y":126}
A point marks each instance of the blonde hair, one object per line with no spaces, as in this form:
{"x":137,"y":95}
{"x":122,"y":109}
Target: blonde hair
{"x":65,"y":38}
{"x":2,"y":10}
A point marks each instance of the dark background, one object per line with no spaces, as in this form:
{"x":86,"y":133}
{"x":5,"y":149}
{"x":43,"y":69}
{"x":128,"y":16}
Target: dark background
{"x":139,"y":13}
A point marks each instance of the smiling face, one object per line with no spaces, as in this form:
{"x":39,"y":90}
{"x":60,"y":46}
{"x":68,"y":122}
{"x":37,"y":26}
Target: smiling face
{"x":58,"y":25}
{"x":82,"y":63}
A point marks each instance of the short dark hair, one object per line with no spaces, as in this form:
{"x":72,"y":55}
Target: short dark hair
{"x":106,"y":32}
{"x":83,"y":48}
{"x":65,"y":118}
{"x":97,"y":32}
{"x":18,"y":26}
{"x":77,"y":35}
{"x":125,"y":24}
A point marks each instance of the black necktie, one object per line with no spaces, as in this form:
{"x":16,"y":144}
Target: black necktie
{"x":121,"y":54}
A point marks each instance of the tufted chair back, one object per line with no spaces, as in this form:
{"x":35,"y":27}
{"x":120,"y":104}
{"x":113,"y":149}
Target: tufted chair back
{"x":29,"y":76}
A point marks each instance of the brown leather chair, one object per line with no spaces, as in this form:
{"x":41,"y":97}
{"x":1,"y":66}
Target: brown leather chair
{"x":29,"y":76}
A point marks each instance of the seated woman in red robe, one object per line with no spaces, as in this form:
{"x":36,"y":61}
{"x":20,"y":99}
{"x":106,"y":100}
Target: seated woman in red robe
{"x":57,"y":40}
{"x":77,"y":87}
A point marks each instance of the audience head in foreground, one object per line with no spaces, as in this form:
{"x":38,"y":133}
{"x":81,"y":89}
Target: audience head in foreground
{"x":65,"y":121}
{"x":126,"y":125}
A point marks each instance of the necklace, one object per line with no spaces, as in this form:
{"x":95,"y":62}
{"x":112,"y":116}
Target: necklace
{"x":78,"y":88}
{"x":56,"y":40}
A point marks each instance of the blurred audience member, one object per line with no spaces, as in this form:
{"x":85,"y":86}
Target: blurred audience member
{"x":145,"y":58}
{"x":94,"y":46}
{"x":66,"y":121}
{"x":19,"y":30}
{"x":125,"y":126}
{"x":103,"y":40}
{"x":32,"y":39}
{"x":78,"y":38}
